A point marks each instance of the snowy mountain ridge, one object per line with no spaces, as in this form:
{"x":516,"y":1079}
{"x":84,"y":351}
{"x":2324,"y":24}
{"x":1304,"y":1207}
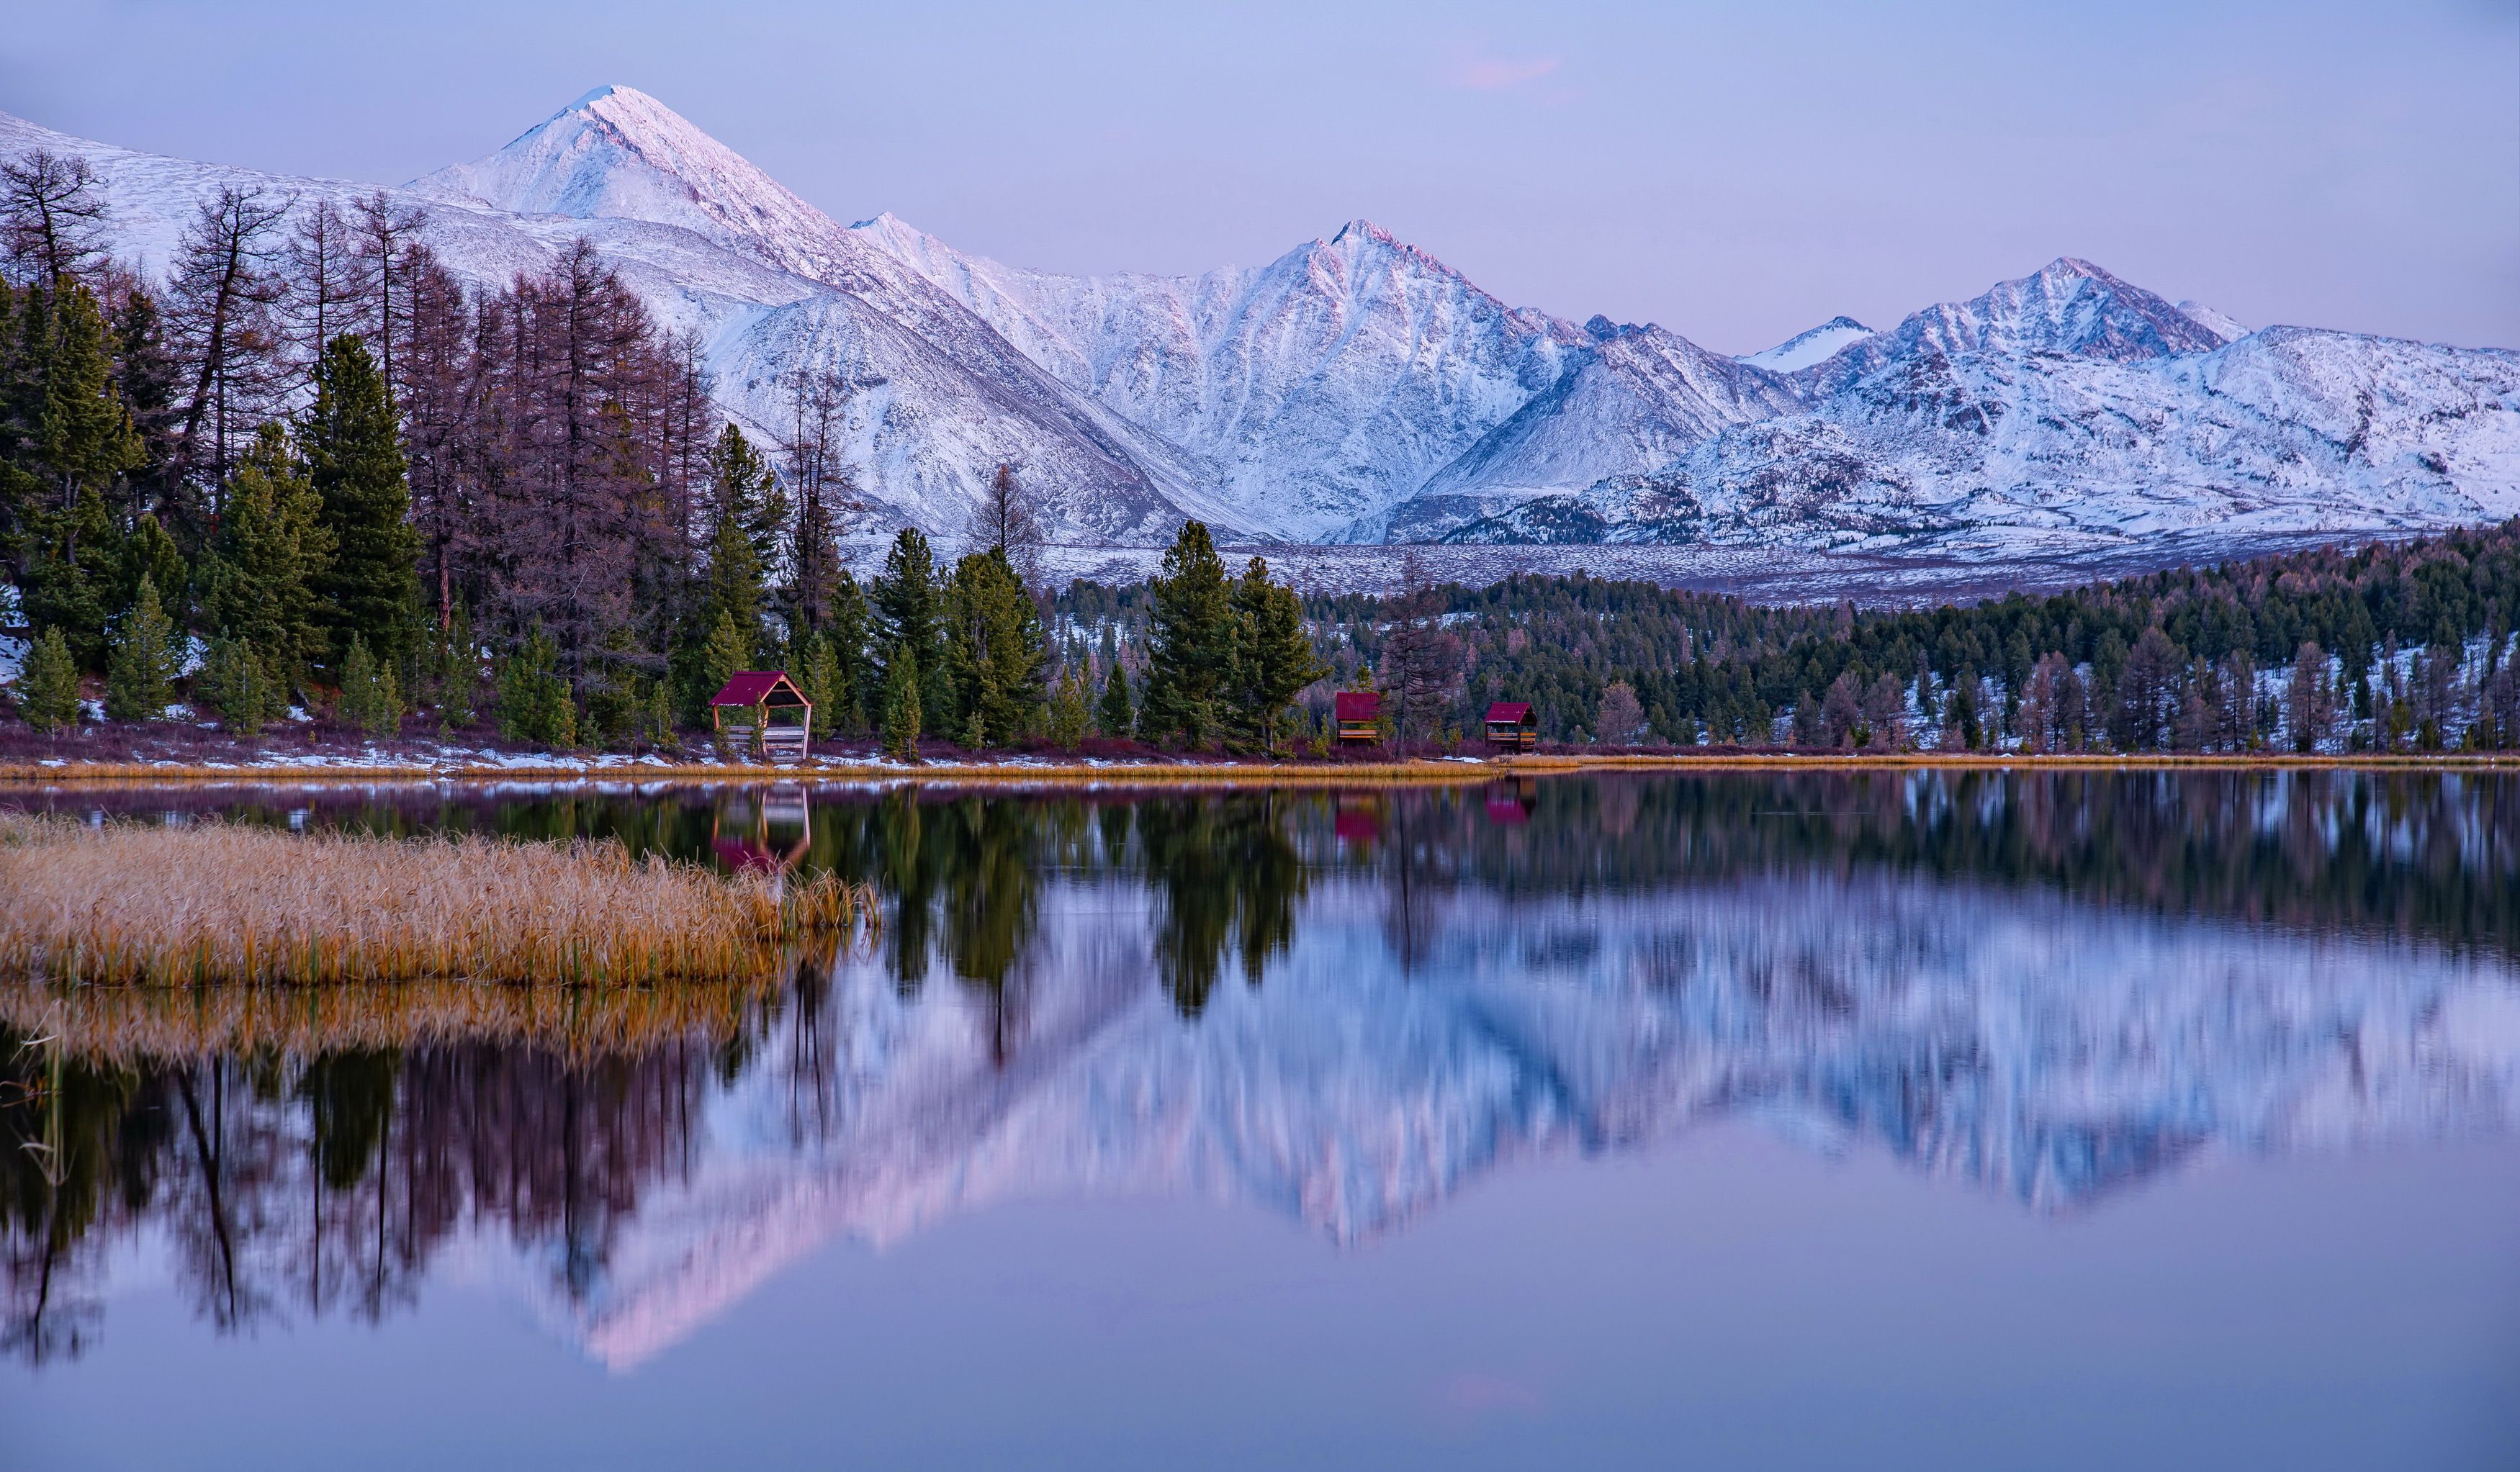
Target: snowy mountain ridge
{"x":1357,"y":389}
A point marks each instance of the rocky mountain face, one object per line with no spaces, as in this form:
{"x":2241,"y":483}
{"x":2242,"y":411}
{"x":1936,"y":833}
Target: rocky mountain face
{"x":1357,"y":389}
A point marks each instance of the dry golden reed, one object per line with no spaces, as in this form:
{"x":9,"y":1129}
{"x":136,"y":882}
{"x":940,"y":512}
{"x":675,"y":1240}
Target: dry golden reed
{"x":125,"y":1024}
{"x":216,"y":903}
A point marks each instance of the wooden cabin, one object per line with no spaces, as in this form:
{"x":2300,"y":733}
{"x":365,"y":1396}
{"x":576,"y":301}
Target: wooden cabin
{"x":763,"y":713}
{"x":1359,"y":714}
{"x":1513,"y":726}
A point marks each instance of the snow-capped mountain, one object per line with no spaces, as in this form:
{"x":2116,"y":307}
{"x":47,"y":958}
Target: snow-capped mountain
{"x":1805,"y":348}
{"x":1357,"y":389}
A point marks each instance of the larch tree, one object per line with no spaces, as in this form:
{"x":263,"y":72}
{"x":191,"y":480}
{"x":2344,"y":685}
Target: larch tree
{"x":54,"y":216}
{"x":221,"y":287}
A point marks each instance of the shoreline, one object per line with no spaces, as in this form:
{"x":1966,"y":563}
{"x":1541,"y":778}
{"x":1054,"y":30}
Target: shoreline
{"x":1437,"y":772}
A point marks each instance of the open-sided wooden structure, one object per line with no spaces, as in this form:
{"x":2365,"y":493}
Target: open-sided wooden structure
{"x":1513,"y":726}
{"x":1359,"y":714}
{"x":765,"y":714}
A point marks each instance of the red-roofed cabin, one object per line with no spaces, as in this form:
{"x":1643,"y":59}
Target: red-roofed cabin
{"x":1513,"y":726}
{"x":763,"y":711}
{"x":1359,"y":714}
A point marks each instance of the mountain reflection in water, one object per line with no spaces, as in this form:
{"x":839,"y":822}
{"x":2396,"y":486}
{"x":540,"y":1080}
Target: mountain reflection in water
{"x":1336,"y":1007}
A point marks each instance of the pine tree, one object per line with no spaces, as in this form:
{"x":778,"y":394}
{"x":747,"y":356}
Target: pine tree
{"x":233,"y":685}
{"x":1114,"y":717}
{"x":73,"y":561}
{"x":853,"y":693}
{"x":358,"y":683}
{"x":996,"y":650}
{"x":1272,"y":660}
{"x":140,"y":679}
{"x":371,"y":700}
{"x":908,"y":608}
{"x":258,"y":580}
{"x":355,"y":462}
{"x":729,"y":651}
{"x":534,"y":703}
{"x":459,"y":671}
{"x":823,"y":682}
{"x":1190,"y":643}
{"x":901,"y":704}
{"x":47,"y":691}
{"x":148,"y":552}
{"x":1068,"y":713}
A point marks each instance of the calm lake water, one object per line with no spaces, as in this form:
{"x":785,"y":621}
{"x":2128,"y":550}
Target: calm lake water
{"x":1890,"y":1120}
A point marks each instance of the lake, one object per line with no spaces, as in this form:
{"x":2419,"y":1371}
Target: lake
{"x":1896,"y":1119}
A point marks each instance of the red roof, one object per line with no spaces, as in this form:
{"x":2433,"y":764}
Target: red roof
{"x":1508,"y":712}
{"x":752,"y":686}
{"x":1358,"y":705}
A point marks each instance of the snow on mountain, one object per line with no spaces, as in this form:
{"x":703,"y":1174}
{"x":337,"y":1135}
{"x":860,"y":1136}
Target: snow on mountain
{"x":1639,"y":398}
{"x":2047,"y":1050}
{"x":1803,"y":349}
{"x":1357,"y":389}
{"x":2068,"y":306}
{"x":1315,"y":392}
{"x":2220,"y":323}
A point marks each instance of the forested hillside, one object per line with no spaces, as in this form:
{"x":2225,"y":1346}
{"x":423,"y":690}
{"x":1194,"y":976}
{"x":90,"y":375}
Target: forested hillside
{"x":306,"y":473}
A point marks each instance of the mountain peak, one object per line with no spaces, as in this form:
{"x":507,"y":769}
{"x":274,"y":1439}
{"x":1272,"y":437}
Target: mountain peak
{"x":1813,"y":345}
{"x":618,"y":154}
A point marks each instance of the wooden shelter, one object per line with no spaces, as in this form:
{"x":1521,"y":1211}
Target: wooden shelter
{"x":765,"y":713}
{"x":1513,"y":726}
{"x":1359,"y":715}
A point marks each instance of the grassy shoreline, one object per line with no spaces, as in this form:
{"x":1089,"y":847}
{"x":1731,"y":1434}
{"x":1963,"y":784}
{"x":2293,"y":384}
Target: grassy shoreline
{"x":1451,"y":772}
{"x":209,"y":904}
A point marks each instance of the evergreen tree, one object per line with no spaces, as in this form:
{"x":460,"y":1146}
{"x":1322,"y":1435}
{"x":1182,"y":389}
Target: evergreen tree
{"x":83,"y":436}
{"x":74,"y":561}
{"x":909,"y":608}
{"x":823,"y":681}
{"x":148,"y":552}
{"x":1114,"y":717}
{"x":258,"y":579}
{"x":371,"y":699}
{"x":233,"y":685}
{"x":901,"y":704}
{"x":996,"y":650}
{"x":459,"y":671}
{"x":141,"y":678}
{"x":729,"y":651}
{"x":744,"y":491}
{"x":1273,"y":658}
{"x":1189,"y":641}
{"x":853,"y":690}
{"x":534,"y":703}
{"x":47,"y":691}
{"x":1068,"y":712}
{"x":354,"y":460}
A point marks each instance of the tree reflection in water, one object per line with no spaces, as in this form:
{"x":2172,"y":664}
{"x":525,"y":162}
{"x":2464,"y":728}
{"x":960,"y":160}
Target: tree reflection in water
{"x":323,"y":1176}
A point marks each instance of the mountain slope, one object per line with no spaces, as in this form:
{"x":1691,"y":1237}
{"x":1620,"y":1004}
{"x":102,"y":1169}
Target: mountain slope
{"x":1358,"y":389}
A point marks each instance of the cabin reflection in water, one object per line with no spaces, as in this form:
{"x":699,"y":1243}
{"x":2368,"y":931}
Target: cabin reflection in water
{"x":762,"y":830}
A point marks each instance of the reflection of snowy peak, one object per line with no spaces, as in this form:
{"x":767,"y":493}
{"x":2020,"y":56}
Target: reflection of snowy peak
{"x":1358,"y":389}
{"x":2037,"y":1046}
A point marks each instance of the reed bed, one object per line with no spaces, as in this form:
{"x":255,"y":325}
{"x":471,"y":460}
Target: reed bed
{"x":129,"y":1023}
{"x":215,"y":904}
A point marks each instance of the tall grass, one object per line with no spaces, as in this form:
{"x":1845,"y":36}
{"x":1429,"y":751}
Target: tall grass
{"x":216,"y":904}
{"x":129,"y":1023}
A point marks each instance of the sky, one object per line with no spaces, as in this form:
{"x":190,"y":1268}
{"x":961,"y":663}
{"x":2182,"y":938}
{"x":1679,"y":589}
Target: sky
{"x":1734,"y":172}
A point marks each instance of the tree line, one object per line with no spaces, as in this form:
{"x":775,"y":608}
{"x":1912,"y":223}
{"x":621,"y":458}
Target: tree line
{"x":308,"y":470}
